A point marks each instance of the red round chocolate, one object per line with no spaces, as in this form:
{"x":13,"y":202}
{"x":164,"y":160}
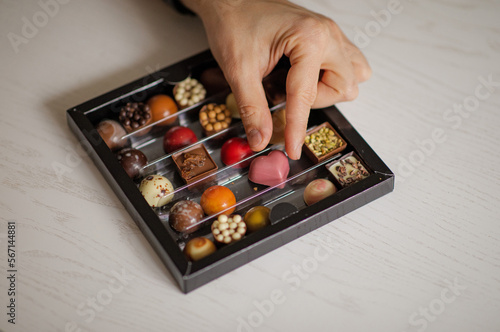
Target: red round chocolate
{"x":178,"y":137}
{"x":235,"y":150}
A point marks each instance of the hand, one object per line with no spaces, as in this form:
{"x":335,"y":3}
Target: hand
{"x":248,"y":37}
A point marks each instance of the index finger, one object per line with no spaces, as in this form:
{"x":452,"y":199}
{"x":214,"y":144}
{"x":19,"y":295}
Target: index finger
{"x":301,"y":91}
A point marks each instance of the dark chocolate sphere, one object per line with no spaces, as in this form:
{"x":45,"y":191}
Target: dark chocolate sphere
{"x":185,"y":216}
{"x":132,"y":161}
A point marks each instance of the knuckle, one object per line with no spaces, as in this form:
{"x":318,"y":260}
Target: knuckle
{"x":304,"y":96}
{"x":317,"y":29}
{"x":350,"y":92}
{"x":248,"y":112}
{"x":365,"y":73}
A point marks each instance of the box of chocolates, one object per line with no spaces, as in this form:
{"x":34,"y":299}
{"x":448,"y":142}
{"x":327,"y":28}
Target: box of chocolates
{"x":173,"y":148}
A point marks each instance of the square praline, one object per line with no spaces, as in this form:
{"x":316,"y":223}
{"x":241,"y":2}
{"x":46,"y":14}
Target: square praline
{"x":319,"y":151}
{"x":194,"y":164}
{"x":348,"y":170}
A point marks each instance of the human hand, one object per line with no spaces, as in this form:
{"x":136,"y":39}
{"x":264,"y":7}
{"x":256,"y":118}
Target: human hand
{"x":248,"y":37}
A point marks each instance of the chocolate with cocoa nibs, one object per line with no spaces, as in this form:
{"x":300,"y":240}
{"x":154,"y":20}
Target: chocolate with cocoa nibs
{"x":134,"y":116}
{"x":348,"y":170}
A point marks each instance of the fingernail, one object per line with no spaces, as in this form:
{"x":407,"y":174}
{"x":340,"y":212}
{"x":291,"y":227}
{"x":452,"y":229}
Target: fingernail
{"x":254,"y":138}
{"x":297,"y":150}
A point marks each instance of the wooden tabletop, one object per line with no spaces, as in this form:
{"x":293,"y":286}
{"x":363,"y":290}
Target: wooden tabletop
{"x":423,"y":258}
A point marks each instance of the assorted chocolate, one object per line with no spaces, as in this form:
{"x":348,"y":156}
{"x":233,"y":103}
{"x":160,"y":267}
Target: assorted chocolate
{"x":157,"y":190}
{"x":228,"y":229}
{"x":112,"y":133}
{"x":185,"y":216}
{"x":177,"y":138}
{"x":257,"y":218}
{"x":235,"y":152}
{"x":213,"y":80}
{"x":198,"y":248}
{"x":317,"y":190}
{"x":270,"y":170}
{"x":218,"y":200}
{"x":163,"y":107}
{"x":132,"y":161}
{"x":189,"y":92}
{"x":214,"y":118}
{"x":348,"y":170}
{"x":323,"y":142}
{"x":195,"y":164}
{"x":135,"y":116}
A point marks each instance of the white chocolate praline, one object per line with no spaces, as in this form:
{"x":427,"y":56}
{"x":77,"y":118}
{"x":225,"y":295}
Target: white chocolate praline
{"x":228,"y":229}
{"x":318,"y":190}
{"x":156,"y":190}
{"x":348,"y":171}
{"x":189,"y":92}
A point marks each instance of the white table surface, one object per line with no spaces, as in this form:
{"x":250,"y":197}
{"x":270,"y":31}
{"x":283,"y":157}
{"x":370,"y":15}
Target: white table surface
{"x":423,"y":258}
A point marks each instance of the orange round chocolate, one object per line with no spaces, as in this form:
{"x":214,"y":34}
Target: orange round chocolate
{"x":216,"y":199}
{"x":162,"y":106}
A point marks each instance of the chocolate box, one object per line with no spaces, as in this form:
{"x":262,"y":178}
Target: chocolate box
{"x":153,"y":222}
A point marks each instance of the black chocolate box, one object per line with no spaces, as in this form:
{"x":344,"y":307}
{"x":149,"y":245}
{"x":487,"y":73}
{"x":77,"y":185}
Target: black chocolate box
{"x":286,"y":225}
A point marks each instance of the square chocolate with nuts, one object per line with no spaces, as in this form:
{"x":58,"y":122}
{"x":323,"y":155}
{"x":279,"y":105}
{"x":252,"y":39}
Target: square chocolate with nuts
{"x":348,"y":170}
{"x":322,"y":142}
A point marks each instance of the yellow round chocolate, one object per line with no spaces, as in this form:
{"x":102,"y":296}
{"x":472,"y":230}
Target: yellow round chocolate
{"x":257,"y":218}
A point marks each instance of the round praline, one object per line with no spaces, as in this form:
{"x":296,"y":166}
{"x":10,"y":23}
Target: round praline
{"x":318,"y":190}
{"x":218,"y":199}
{"x":162,"y":106}
{"x":213,"y":80}
{"x":257,"y":218}
{"x":157,"y":190}
{"x":112,"y":134}
{"x":177,"y":138}
{"x":235,"y":150}
{"x":185,"y":216}
{"x":132,"y":161}
{"x":198,"y":248}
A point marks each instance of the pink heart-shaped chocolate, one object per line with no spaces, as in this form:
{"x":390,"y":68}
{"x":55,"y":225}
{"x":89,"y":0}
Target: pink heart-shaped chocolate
{"x":269,"y":170}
